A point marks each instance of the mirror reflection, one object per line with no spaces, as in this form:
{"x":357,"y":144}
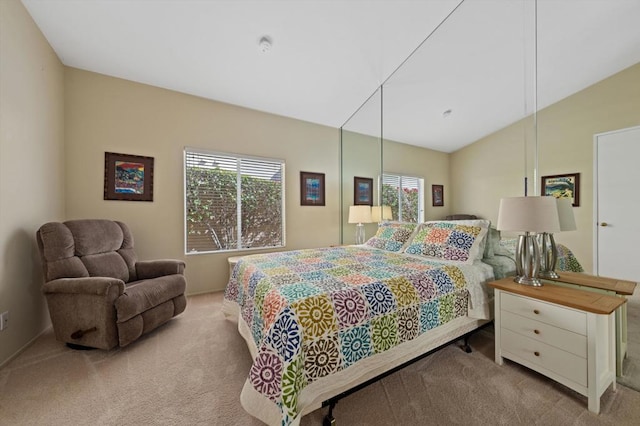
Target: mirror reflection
{"x":433,"y":121}
{"x":361,"y":157}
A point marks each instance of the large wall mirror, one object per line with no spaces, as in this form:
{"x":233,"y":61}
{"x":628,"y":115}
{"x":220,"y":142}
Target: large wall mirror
{"x":438,"y":101}
{"x":361,"y":157}
{"x":511,"y":59}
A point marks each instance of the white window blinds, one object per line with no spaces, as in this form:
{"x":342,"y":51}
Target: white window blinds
{"x":232,"y":202}
{"x":405,"y":195}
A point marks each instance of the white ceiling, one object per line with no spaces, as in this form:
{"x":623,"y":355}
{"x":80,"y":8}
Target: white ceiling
{"x":328,"y":56}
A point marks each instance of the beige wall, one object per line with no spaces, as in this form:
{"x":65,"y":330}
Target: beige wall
{"x":493,"y":167}
{"x":31,"y":169}
{"x":109,"y":114}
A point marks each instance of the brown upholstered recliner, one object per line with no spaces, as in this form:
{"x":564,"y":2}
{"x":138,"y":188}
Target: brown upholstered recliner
{"x":97,"y":292}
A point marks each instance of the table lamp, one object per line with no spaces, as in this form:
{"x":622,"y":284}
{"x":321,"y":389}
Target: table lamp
{"x":360,"y":215}
{"x":528,"y":214}
{"x":381,"y":213}
{"x":548,"y":247}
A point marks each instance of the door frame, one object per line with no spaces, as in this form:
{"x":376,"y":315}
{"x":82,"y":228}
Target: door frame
{"x":596,"y":222}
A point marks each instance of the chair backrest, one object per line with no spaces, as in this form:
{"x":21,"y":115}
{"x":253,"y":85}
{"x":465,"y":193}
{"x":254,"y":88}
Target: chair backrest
{"x":87,"y":248}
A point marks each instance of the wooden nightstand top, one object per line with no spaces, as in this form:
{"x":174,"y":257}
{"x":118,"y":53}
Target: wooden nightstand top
{"x":622,"y":287}
{"x":573,"y":298}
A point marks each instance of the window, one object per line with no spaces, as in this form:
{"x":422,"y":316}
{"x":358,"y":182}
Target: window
{"x":232,"y":202}
{"x":405,"y":195}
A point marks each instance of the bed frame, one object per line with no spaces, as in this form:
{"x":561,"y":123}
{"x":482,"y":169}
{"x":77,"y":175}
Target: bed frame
{"x":329,"y":420}
{"x":374,"y":369}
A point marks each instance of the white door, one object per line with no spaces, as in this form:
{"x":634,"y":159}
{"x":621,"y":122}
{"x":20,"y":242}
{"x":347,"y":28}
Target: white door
{"x":617,"y":204}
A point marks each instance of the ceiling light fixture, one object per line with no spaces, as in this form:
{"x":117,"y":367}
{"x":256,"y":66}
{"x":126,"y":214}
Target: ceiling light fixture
{"x":265,"y":44}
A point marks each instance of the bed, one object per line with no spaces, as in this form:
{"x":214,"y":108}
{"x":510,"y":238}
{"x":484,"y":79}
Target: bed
{"x":320,"y":321}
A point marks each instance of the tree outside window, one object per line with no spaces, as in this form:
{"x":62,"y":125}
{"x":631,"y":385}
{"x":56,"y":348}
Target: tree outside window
{"x":233,"y":202}
{"x":405,"y":195}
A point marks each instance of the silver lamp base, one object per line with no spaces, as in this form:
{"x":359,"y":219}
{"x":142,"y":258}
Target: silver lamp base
{"x":527,"y":261}
{"x":548,"y":256}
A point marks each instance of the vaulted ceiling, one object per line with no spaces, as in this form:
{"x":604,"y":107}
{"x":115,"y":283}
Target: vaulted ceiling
{"x":490,"y":62}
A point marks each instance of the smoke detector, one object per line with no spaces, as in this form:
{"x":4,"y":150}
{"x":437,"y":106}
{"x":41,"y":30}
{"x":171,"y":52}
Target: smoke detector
{"x":265,"y":44}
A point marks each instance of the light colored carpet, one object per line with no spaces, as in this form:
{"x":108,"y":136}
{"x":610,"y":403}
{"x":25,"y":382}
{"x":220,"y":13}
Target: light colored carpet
{"x":191,"y":371}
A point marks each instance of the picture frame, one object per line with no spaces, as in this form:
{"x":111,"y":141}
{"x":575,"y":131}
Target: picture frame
{"x":128,"y":177}
{"x":362,"y":191}
{"x":312,"y":189}
{"x":562,"y":186}
{"x":437,"y":195}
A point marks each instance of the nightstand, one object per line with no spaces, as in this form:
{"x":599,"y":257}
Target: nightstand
{"x":232,"y":263}
{"x":564,"y":333}
{"x":611,"y":286}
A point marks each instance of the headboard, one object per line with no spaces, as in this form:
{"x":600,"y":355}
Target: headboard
{"x":461,"y":217}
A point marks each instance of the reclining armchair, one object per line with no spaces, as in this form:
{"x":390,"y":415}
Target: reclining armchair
{"x":98,"y":294}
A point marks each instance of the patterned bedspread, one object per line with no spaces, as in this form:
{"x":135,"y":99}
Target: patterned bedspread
{"x":314,"y":312}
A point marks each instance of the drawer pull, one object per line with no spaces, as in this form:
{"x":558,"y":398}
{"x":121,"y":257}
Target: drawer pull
{"x":535,"y":311}
{"x":536,"y":331}
{"x":536,"y":353}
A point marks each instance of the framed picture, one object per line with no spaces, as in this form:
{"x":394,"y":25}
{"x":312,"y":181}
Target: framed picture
{"x":128,"y":177}
{"x":562,"y":186}
{"x":362,"y":191}
{"x":311,"y":189}
{"x":437,"y":195}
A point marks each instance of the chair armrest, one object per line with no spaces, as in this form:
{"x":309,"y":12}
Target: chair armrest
{"x":100,"y":286}
{"x":148,"y":269}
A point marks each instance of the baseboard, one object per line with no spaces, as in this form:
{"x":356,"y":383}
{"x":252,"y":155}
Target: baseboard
{"x":24,"y":347}
{"x":203,"y":292}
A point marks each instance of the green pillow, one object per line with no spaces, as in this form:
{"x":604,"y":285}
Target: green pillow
{"x":493,"y":242}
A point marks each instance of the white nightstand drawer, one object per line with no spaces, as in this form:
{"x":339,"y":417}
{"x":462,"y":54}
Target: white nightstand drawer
{"x":545,"y":333}
{"x":560,"y":362}
{"x":555,"y":315}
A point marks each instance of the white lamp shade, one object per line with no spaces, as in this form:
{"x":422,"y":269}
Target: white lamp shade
{"x":380,"y":213}
{"x":360,"y":214}
{"x":565,"y":214}
{"x":528,"y":214}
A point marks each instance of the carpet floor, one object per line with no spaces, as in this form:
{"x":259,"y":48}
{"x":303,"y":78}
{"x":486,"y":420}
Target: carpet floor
{"x":191,"y":370}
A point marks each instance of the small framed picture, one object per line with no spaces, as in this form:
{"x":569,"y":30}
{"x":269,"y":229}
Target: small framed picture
{"x":128,"y":177}
{"x":311,"y":189}
{"x":562,"y":186}
{"x":437,"y":195}
{"x":362,"y":191}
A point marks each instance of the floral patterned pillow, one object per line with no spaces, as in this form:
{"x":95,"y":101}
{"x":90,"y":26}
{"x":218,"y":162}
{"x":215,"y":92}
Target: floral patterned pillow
{"x":448,"y":241}
{"x":392,"y":236}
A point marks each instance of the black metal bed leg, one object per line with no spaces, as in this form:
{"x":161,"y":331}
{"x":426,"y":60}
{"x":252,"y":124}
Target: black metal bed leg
{"x":465,"y":346}
{"x":328,"y":419}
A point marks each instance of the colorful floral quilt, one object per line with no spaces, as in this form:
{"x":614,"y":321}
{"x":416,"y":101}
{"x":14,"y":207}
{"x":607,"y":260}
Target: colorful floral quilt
{"x":314,"y":312}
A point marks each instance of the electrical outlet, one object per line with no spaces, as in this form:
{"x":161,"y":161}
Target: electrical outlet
{"x":4,"y":320}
